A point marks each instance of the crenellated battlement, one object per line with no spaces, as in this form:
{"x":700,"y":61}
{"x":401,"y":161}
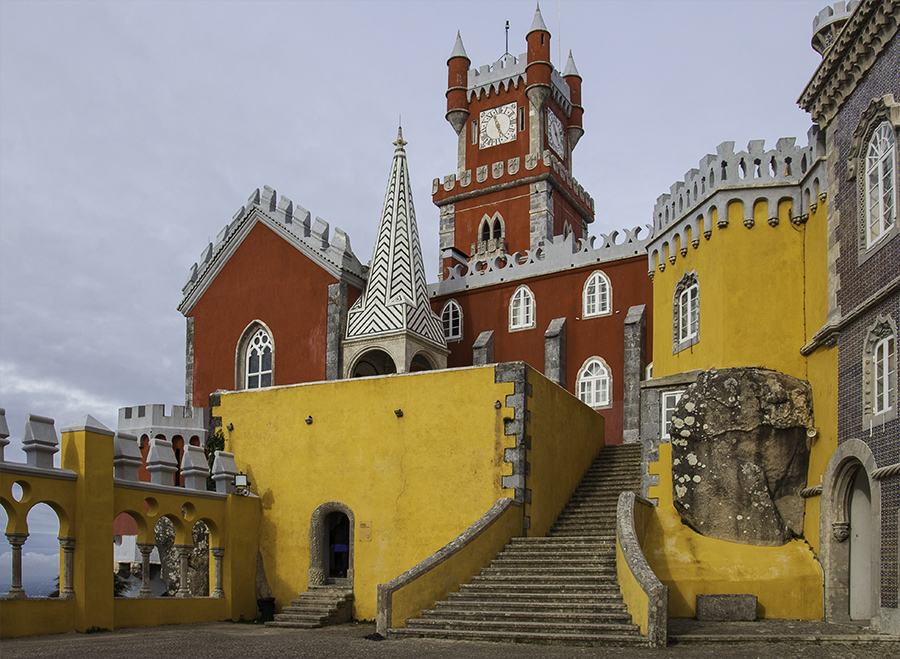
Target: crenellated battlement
{"x":293,"y":221}
{"x":453,"y":184}
{"x":559,"y":253}
{"x":509,"y":71}
{"x":790,"y":181}
{"x":829,"y":22}
{"x":753,"y":167}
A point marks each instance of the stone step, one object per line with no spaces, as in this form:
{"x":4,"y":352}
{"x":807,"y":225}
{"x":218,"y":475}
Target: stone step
{"x":538,"y":590}
{"x":530,"y":616}
{"x":542,"y":561}
{"x":556,"y":543}
{"x":547,"y":638}
{"x":522,"y":626}
{"x":567,"y":597}
{"x":563,"y":605}
{"x":543,"y":572}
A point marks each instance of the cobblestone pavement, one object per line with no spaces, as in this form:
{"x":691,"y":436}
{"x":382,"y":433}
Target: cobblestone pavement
{"x":225,"y":639}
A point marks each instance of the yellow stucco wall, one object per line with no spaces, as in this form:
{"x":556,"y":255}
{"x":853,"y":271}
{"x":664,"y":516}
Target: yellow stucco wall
{"x":751,"y":285}
{"x":417,"y":481}
{"x":566,"y":436}
{"x":786,"y":580}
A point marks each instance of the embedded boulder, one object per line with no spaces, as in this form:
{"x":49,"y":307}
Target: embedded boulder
{"x":740,"y":455}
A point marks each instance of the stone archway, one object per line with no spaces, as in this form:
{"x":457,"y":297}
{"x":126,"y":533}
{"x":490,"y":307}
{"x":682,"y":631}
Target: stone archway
{"x":329,"y":565}
{"x":373,"y":362}
{"x":850,"y":534}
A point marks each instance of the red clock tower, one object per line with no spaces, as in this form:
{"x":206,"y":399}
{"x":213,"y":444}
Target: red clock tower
{"x":517,"y":123}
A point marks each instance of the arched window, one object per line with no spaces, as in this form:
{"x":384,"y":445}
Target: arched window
{"x":594,"y":383}
{"x":881,"y":184}
{"x":485,"y":230}
{"x":880,"y":372}
{"x":498,"y":229}
{"x":686,"y":312}
{"x":451,"y":317}
{"x":597,"y":295}
{"x":255,"y":357}
{"x":521,"y":309}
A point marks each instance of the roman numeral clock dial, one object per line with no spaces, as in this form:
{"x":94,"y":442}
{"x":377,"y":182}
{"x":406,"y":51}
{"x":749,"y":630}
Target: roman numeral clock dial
{"x":497,"y":126}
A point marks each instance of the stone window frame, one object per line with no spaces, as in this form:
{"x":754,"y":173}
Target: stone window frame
{"x":450,"y":308}
{"x":884,"y":329}
{"x":600,"y":307}
{"x":880,"y":112}
{"x":584,"y":378}
{"x":663,"y":426}
{"x":687,"y":282}
{"x":242,"y":355}
{"x":521,"y":303}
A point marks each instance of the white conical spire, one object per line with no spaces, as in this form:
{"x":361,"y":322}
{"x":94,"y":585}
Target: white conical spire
{"x":538,"y":22}
{"x":571,"y":70}
{"x":458,"y":49}
{"x":396,"y":295}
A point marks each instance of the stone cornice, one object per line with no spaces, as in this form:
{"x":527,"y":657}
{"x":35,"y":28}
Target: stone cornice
{"x":867,"y":33}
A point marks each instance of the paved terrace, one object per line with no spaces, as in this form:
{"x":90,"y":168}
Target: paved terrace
{"x":761,"y":639}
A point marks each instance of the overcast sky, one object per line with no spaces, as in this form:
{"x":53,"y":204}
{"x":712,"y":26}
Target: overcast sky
{"x":130,"y":133}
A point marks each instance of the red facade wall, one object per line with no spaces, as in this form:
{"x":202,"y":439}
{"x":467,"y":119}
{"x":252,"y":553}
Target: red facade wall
{"x":266,"y":279}
{"x":559,"y":295}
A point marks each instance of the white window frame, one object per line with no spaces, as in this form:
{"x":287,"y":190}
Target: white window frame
{"x":879,"y":369}
{"x":668,"y":403}
{"x":522,"y":310}
{"x":686,"y":312}
{"x":880,"y":184}
{"x":451,"y":320}
{"x":596,"y":297}
{"x":594,"y":383}
{"x":243,"y":373}
{"x":258,"y":344}
{"x":884,"y":385}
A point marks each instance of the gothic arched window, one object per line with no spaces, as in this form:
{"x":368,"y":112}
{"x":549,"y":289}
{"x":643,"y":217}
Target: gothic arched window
{"x":594,"y":383}
{"x":880,"y":372}
{"x":451,"y":317}
{"x":881,"y":184}
{"x":521,"y":309}
{"x":255,"y":358}
{"x":597,"y":295}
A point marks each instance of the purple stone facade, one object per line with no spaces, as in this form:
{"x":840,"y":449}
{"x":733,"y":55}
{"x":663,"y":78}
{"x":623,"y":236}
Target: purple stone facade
{"x":861,"y":275}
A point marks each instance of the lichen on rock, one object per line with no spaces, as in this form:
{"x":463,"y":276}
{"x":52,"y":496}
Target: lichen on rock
{"x":740,"y":455}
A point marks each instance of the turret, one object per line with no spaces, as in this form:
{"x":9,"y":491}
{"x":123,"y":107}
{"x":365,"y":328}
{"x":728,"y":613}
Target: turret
{"x":829,"y":23}
{"x":576,"y":125}
{"x":457,"y":83}
{"x":539,"y":68}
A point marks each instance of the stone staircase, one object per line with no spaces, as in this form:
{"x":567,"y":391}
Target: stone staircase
{"x":317,"y":607}
{"x":558,"y":589}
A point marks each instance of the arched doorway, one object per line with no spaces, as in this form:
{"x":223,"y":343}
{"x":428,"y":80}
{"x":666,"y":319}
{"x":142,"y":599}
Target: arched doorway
{"x":374,"y":362}
{"x":331,"y":534}
{"x":420,"y":363}
{"x":860,"y":508}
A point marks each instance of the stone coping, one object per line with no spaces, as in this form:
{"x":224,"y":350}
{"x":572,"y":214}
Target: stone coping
{"x":169,"y":489}
{"x":28,"y":470}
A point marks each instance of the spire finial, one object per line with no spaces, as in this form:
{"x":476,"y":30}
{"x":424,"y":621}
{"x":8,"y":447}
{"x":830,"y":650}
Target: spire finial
{"x":400,"y":142}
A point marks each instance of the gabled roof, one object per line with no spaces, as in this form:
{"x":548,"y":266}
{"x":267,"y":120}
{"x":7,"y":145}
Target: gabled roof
{"x":293,"y":225}
{"x":396,"y":295}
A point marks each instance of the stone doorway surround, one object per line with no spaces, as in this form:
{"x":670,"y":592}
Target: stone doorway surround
{"x":848,"y":461}
{"x":318,"y":546}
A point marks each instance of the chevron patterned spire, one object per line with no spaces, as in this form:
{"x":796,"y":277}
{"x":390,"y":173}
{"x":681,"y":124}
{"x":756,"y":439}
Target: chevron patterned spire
{"x":396,"y":296}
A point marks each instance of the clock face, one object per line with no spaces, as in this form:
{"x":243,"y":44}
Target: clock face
{"x":556,"y":134}
{"x":497,"y":126}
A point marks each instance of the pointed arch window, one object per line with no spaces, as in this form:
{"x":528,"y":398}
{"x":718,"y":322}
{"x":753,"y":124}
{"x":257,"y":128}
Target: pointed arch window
{"x":881,"y":184}
{"x":255,"y":363}
{"x":597,"y":296}
{"x":522,"y":309}
{"x":451,"y":318}
{"x":594,"y":383}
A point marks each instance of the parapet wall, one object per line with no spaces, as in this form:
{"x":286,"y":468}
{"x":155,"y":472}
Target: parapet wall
{"x":558,"y":253}
{"x":509,"y":71}
{"x":697,"y":204}
{"x":188,"y":422}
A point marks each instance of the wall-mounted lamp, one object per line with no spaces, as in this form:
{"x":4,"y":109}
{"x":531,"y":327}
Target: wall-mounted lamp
{"x":230,"y":426}
{"x":399,"y":413}
{"x":497,"y":405}
{"x":241,"y":483}
{"x":308,"y":420}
